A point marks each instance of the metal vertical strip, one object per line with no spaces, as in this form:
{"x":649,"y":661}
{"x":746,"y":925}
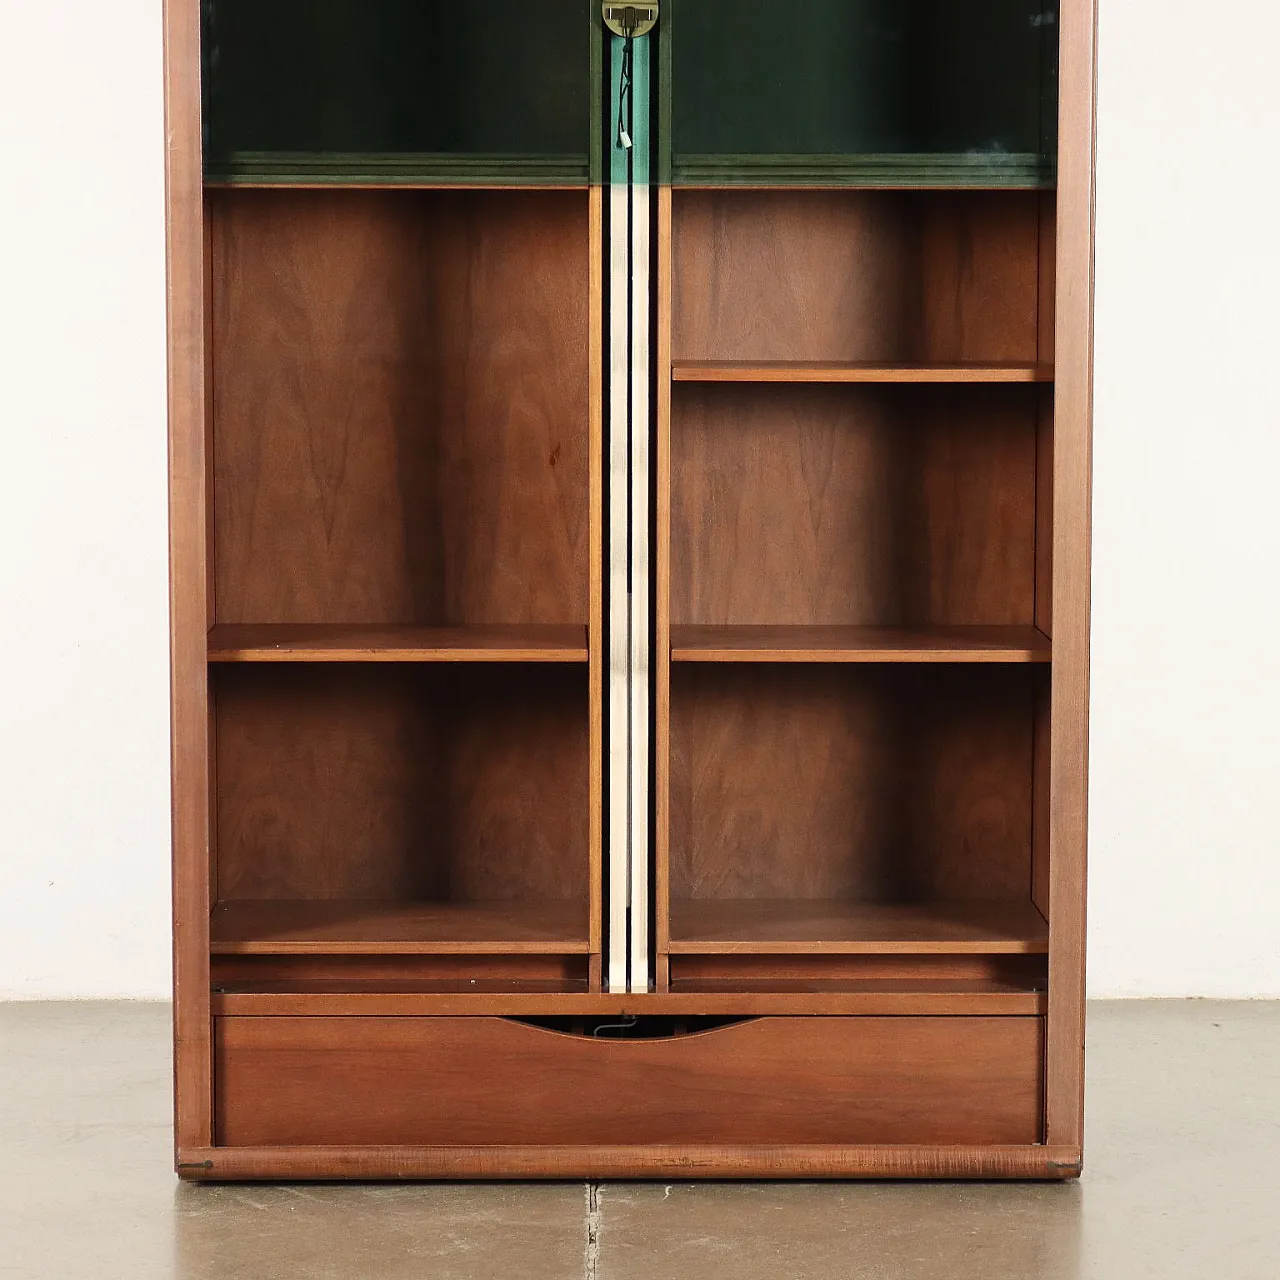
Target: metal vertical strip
{"x":641,"y":700}
{"x":619,"y":789}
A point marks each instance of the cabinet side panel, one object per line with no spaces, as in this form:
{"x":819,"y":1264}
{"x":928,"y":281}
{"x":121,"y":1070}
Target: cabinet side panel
{"x":1071,"y":549}
{"x":193,"y":1118}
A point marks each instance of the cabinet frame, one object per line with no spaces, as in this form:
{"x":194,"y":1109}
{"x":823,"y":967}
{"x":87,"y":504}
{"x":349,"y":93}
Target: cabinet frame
{"x":190,"y":487}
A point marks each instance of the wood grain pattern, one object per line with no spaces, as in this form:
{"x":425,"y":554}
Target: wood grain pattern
{"x":467,"y":1081}
{"x":1072,"y":493}
{"x":1044,"y":515}
{"x":851,"y":783}
{"x":402,"y":783}
{"x":794,"y":927}
{"x":859,"y":644}
{"x":330,"y":927}
{"x":402,"y":396}
{"x":1048,"y":275}
{"x":336,"y":642}
{"x":853,"y":506}
{"x":851,"y":276}
{"x":188,"y":584}
{"x":833,"y":371}
{"x":648,"y":1160}
{"x":1041,"y":818}
{"x":694,"y":1000}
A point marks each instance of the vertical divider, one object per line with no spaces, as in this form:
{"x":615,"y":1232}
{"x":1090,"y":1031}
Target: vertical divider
{"x":595,"y":620}
{"x":630,"y":525}
{"x":619,"y":607}
{"x":662,"y":606}
{"x":641,"y":559}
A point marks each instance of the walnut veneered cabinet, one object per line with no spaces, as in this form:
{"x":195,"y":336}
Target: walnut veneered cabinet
{"x":630,"y":476}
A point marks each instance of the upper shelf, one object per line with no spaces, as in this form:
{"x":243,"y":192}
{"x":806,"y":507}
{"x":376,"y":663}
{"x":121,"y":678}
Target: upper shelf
{"x":833,"y":371}
{"x":336,"y":643}
{"x":821,"y":644}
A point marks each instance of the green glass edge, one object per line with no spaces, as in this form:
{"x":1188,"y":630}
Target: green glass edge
{"x":283,"y":168}
{"x":912,"y":169}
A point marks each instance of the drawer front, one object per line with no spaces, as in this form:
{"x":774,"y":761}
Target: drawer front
{"x":490,"y":1081}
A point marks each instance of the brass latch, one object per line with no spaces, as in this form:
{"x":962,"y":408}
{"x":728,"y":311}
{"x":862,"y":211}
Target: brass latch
{"x":630,"y":20}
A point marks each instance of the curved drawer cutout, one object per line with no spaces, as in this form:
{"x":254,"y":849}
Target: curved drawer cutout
{"x":628,"y":1029}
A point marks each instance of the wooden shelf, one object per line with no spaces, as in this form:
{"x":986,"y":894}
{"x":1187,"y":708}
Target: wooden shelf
{"x":833,"y":371}
{"x":859,"y":644}
{"x":822,"y":927}
{"x":397,"y":644}
{"x":359,"y":928}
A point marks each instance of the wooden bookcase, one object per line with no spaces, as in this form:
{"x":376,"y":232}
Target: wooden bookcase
{"x":389,"y":380}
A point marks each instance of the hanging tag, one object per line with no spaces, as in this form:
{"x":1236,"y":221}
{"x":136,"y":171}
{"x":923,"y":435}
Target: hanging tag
{"x":630,"y":20}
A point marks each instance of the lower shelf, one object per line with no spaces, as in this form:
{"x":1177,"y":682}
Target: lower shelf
{"x":322,"y":927}
{"x":397,"y":644}
{"x":859,"y":644}
{"x":823,"y":927}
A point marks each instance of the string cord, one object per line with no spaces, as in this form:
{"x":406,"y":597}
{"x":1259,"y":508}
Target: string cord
{"x":624,"y":96}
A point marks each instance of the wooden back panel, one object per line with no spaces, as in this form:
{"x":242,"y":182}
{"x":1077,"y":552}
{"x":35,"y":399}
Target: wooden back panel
{"x":912,"y":277}
{"x":456,"y":784}
{"x":851,"y":783}
{"x":400,"y":402}
{"x":856,"y":505}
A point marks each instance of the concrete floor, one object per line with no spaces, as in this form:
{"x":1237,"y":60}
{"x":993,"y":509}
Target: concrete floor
{"x":1183,"y":1180}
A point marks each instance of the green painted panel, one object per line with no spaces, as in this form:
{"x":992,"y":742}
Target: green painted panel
{"x":634,"y":163}
{"x":937,"y":92}
{"x":396,"y":89}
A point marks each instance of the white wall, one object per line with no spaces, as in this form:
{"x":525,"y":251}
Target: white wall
{"x":1184,"y":897}
{"x":84,"y":806}
{"x":1185,"y":892}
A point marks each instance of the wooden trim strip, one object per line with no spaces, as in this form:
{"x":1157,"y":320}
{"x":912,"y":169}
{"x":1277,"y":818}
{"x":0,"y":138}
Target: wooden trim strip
{"x":872,"y":1003}
{"x":662,"y":602}
{"x":595,"y":624}
{"x":265,"y":1164}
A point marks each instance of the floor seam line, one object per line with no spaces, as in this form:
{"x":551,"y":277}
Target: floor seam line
{"x":591,"y":1259}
